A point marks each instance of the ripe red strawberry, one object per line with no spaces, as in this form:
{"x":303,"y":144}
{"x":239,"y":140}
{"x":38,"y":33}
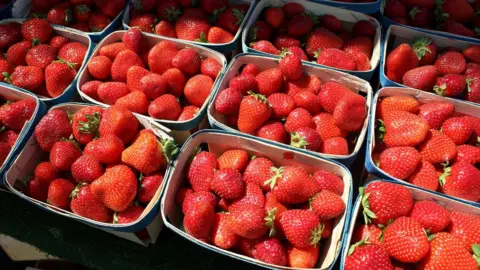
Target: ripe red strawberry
{"x":270,"y":80}
{"x":253,"y":195}
{"x":436,"y":113}
{"x":9,"y":137}
{"x":459,"y":129}
{"x":60,"y":16}
{"x":187,"y":61}
{"x":462,"y":180}
{"x":228,"y":184}
{"x":258,"y":171}
{"x":210,"y":67}
{"x":36,"y":190}
{"x":472,"y":69}
{"x":37,"y":29}
{"x":292,"y":185}
{"x":306,"y":138}
{"x":420,"y":17}
{"x":451,"y":62}
{"x":330,"y":95}
{"x":437,"y":148}
{"x":473,"y":86}
{"x":424,"y":176}
{"x":422,"y":78}
{"x":152,"y":85}
{"x":119,"y":122}
{"x":274,"y":16}
{"x":41,"y":55}
{"x":10,"y":34}
{"x":260,"y":31}
{"x":295,"y":50}
{"x":81,"y":13}
{"x":212,"y":6}
{"x":468,"y":153}
{"x":328,"y":181}
{"x":450,"y":85}
{"x":350,"y":113}
{"x":399,"y":61}
{"x":300,"y":25}
{"x":265,"y":46}
{"x":243,"y":83}
{"x":302,"y":228}
{"x":335,"y":146}
{"x":233,"y":159}
{"x":134,"y":40}
{"x":168,"y":10}
{"x":232,"y":18}
{"x":199,"y":219}
{"x":110,"y":92}
{"x":309,"y":101}
{"x":198,"y":89}
{"x":290,"y":66}
{"x":404,"y":129}
{"x":395,"y":9}
{"x":142,"y":22}
{"x":124,"y":60}
{"x":363,"y":255}
{"x":86,"y":169}
{"x":5,"y":69}
{"x":191,"y":24}
{"x":405,"y":240}
{"x":270,"y":250}
{"x":99,"y":67}
{"x":425,"y":49}
{"x":110,"y":8}
{"x":274,"y":131}
{"x":386,"y":201}
{"x":218,"y":35}
{"x":136,"y":102}
{"x":59,"y":193}
{"x":297,"y":119}
{"x":45,"y":173}
{"x":359,"y":45}
{"x":370,"y":233}
{"x":389,"y":161}
{"x":463,"y":226}
{"x":433,"y":217}
{"x":221,"y":234}
{"x":363,"y":28}
{"x":201,"y":171}
{"x":248,"y":221}
{"x":58,"y":76}
{"x":302,"y":257}
{"x":129,"y":215}
{"x":112,"y":50}
{"x":335,"y":58}
{"x":331,"y":23}
{"x":51,"y":128}
{"x":86,"y":205}
{"x":321,"y":39}
{"x":134,"y":76}
{"x":328,"y":205}
{"x":305,"y":83}
{"x":325,"y":126}
{"x":292,"y":9}
{"x":63,"y":154}
{"x":27,"y":77}
{"x":14,"y":115}
{"x":198,"y":196}
{"x":165,"y":28}
{"x":85,"y":123}
{"x":148,"y":187}
{"x":472,"y":54}
{"x":17,"y":53}
{"x":254,"y":111}
{"x":73,"y":53}
{"x":281,"y":105}
{"x":228,"y":101}
{"x":457,"y":10}
{"x":81,"y":26}
{"x":284,"y":42}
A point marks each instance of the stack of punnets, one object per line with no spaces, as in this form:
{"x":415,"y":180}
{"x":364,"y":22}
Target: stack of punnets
{"x":273,"y":183}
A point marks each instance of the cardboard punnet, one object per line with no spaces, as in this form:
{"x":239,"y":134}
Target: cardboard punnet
{"x":220,"y":141}
{"x":348,"y":18}
{"x":357,"y":85}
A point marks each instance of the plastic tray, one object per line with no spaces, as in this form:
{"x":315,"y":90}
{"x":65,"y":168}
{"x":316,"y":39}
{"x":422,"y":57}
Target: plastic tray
{"x":368,"y":8}
{"x":21,"y":9}
{"x":418,"y":195}
{"x":348,"y":17}
{"x":14,"y":94}
{"x":72,"y":36}
{"x":225,"y":47}
{"x":264,"y":62}
{"x":154,"y":39}
{"x":32,"y":154}
{"x":424,"y":97}
{"x":218,"y":142}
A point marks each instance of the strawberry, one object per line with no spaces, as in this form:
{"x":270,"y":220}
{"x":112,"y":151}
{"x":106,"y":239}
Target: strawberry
{"x":270,"y":250}
{"x":17,"y":53}
{"x":10,"y":137}
{"x":201,"y":171}
{"x":228,"y":101}
{"x":36,"y":190}
{"x":59,"y":16}
{"x":136,"y":102}
{"x":450,"y":62}
{"x":330,"y":95}
{"x":350,"y":112}
{"x":363,"y":28}
{"x":284,"y":42}
{"x":119,"y":122}
{"x":51,"y":128}
{"x":274,"y":16}
{"x":404,"y":129}
{"x":210,"y":67}
{"x":258,"y":171}
{"x":99,"y":67}
{"x":5,"y":69}
{"x":221,"y":234}
{"x":41,"y":56}
{"x":450,"y":85}
{"x":198,"y":196}
{"x":187,"y":61}
{"x":292,"y":9}
{"x":302,"y":228}
{"x":433,"y":217}
{"x":297,"y":119}
{"x":472,"y":54}
{"x":457,"y":10}
{"x":85,"y":123}
{"x":384,"y":201}
{"x":233,"y":159}
{"x":124,"y":60}
{"x":300,"y":25}
{"x":45,"y":173}
{"x":292,"y":185}
{"x":165,"y":28}
{"x":463,"y":226}
{"x":86,"y":169}
{"x":325,"y":126}
{"x":397,"y":103}
{"x":81,"y":26}
{"x":399,"y":61}
{"x":146,"y":154}
{"x":422,"y":78}
{"x":437,"y":148}
{"x":335,"y":146}
{"x":472,"y":69}
{"x":168,"y":10}
{"x":420,"y":17}
{"x":198,"y":221}
{"x":308,"y":101}
{"x":270,"y":80}
{"x":59,"y":193}
{"x":10,"y":34}
{"x":58,"y":76}
{"x":27,"y":77}
{"x":362,"y":62}
{"x":358,"y":45}
{"x":86,"y":205}
{"x":430,"y":4}
{"x":295,"y":50}
{"x":134,"y":40}
{"x":198,"y":89}
{"x":468,"y":153}
{"x":436,"y":113}
{"x":110,"y":92}
{"x":129,"y":215}
{"x":4,"y":151}
{"x":244,"y":83}
{"x":410,"y":159}
{"x":248,"y":221}
{"x":227,"y":183}
{"x":218,"y":35}
{"x":328,"y":205}
{"x":253,"y":195}
{"x":473,"y":87}
{"x":307,"y":82}
{"x":191,"y":24}
{"x":73,"y":53}
{"x":306,"y":138}
{"x":37,"y":29}
{"x":254,"y":112}
{"x":328,"y":181}
{"x":363,"y":255}
{"x":63,"y":154}
{"x":425,"y":49}
{"x":143,"y":22}
{"x":331,"y":23}
{"x":395,"y":9}
{"x":290,"y":66}
{"x":274,"y":131}
{"x":459,"y":129}
{"x":321,"y":39}
{"x":260,"y":31}
{"x":212,"y":6}
{"x":462,"y":181}
{"x":112,"y":50}
{"x":302,"y":257}
{"x":81,"y":13}
{"x":424,"y":176}
{"x":232,"y":18}
{"x":148,"y":187}
{"x":265,"y":46}
{"x":151,"y":84}
{"x":14,"y":115}
{"x":370,"y":233}
{"x":335,"y":58}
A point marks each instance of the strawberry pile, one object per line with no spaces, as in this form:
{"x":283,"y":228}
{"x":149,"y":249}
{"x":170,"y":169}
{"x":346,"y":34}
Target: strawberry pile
{"x":209,"y":21}
{"x":403,"y":233}
{"x":458,"y":17}
{"x":13,"y":116}
{"x":83,"y":15}
{"x":437,"y":146}
{"x":100,"y":162}
{"x":31,"y":51}
{"x":246,"y":204}
{"x":285,"y":105}
{"x":174,"y":87}
{"x":448,"y":72}
{"x":324,"y":38}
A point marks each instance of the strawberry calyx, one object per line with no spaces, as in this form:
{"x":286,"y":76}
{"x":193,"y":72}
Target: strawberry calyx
{"x":216,"y":12}
{"x":469,"y":82}
{"x":72,"y":141}
{"x":476,"y":253}
{"x":138,"y":5}
{"x":202,"y":38}
{"x":68,"y":16}
{"x":447,"y":171}
{"x":278,"y":172}
{"x":284,"y":52}
{"x":92,"y":124}
{"x":3,"y":128}
{"x":381,"y":130}
{"x":172,"y":13}
{"x":440,"y":15}
{"x":170,"y":149}
{"x":440,"y":90}
{"x":84,"y":8}
{"x":317,"y":235}
{"x":413,"y":13}
{"x":259,"y":97}
{"x":115,"y":218}
{"x":360,"y":243}
{"x":270,"y":221}
{"x":76,"y":190}
{"x":36,"y":42}
{"x":367,"y":213}
{"x":298,"y":141}
{"x":317,"y":53}
{"x":420,"y":45}
{"x":7,"y":77}
{"x":39,"y":15}
{"x":239,"y":15}
{"x":252,"y":35}
{"x":62,"y":61}
{"x":314,"y":18}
